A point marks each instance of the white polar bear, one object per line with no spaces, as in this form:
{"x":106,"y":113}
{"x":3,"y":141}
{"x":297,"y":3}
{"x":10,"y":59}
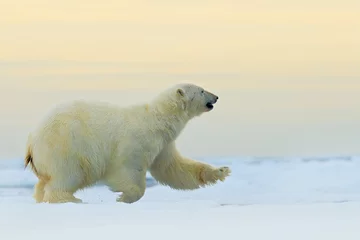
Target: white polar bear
{"x":82,"y":143}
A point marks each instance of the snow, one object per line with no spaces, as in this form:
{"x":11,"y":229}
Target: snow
{"x":264,"y":198}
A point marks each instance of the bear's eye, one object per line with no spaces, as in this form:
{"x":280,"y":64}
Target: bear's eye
{"x":202,"y":91}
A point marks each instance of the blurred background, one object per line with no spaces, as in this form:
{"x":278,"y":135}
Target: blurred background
{"x":287,"y":73}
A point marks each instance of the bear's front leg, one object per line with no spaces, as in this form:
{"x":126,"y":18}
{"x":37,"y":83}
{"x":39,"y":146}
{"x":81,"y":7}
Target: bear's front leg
{"x":131,"y":194}
{"x":129,"y":181}
{"x":211,"y":175}
{"x":172,"y":169}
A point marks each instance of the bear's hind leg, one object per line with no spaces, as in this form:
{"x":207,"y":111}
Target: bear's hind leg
{"x":60,"y":197}
{"x":61,"y":191}
{"x":39,"y":191}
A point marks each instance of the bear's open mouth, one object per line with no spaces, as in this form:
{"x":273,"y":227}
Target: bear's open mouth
{"x":209,"y":105}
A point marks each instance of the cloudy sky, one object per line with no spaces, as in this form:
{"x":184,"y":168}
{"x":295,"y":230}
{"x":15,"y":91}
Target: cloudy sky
{"x":287,"y":72}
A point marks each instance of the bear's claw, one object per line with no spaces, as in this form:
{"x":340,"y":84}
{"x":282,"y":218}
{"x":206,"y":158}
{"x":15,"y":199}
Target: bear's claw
{"x":223,"y":172}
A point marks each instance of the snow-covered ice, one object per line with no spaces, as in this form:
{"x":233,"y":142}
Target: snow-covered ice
{"x":264,"y":198}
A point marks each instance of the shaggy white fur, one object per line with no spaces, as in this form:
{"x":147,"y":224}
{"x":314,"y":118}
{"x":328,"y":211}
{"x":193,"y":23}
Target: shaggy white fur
{"x":81,"y":143}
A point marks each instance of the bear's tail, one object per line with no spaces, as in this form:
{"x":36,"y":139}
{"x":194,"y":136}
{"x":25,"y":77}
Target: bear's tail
{"x":29,"y":158}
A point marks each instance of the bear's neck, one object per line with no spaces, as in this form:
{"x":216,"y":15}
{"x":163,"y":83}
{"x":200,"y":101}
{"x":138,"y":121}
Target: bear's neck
{"x":169,"y":121}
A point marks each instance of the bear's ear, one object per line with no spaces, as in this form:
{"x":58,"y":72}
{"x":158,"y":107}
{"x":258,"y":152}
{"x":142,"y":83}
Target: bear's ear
{"x":180,"y":92}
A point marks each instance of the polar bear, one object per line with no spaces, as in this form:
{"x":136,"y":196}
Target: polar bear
{"x":81,"y":143}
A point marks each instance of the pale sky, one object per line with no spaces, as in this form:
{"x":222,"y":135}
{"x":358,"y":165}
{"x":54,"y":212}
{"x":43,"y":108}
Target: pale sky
{"x":287,"y":73}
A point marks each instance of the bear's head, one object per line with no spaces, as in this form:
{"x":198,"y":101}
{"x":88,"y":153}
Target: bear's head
{"x":194,"y":99}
